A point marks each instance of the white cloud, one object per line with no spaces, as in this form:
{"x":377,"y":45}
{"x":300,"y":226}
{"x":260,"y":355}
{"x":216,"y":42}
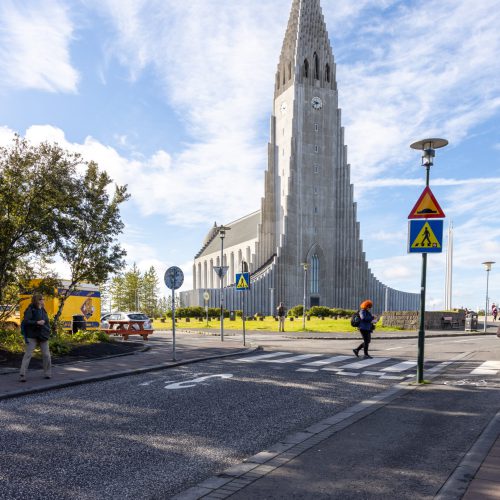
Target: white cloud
{"x":34,"y":46}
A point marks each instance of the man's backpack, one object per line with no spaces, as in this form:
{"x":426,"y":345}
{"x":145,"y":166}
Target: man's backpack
{"x":355,"y":319}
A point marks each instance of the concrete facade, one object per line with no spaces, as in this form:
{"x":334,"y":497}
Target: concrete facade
{"x":307,"y":214}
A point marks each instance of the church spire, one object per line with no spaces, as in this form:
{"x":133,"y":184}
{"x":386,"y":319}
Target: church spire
{"x":306,"y":56}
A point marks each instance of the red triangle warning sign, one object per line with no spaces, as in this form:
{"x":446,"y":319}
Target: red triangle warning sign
{"x":427,"y":207}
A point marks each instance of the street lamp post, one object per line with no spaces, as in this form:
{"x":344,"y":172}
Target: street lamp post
{"x":487,"y":266}
{"x":305,"y":265}
{"x":428,"y":148}
{"x":222,"y":271}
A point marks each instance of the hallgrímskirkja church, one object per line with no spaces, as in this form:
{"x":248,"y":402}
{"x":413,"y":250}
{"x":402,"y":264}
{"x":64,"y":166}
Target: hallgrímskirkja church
{"x":307,"y":215}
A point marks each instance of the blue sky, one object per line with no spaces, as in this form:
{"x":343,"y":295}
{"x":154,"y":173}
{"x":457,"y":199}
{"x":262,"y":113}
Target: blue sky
{"x":173,"y":98}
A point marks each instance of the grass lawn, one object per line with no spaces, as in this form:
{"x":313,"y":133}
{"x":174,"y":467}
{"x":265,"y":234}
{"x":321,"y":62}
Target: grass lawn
{"x":268,"y":325}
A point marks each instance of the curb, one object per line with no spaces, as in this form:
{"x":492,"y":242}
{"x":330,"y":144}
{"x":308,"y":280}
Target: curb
{"x":238,"y":476}
{"x":459,"y":480}
{"x":76,"y":361}
{"x":124,"y":373}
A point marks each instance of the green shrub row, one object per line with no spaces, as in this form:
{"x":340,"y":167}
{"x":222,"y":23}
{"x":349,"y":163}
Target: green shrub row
{"x":321,"y":311}
{"x":199,"y":312}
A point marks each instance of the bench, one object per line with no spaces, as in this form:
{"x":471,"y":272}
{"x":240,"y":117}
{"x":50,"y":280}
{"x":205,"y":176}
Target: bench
{"x":449,"y":322}
{"x":126,"y":328}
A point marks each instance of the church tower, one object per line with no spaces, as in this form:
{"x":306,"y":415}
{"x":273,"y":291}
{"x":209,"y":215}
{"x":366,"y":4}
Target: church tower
{"x":304,"y":243}
{"x":308,"y":202}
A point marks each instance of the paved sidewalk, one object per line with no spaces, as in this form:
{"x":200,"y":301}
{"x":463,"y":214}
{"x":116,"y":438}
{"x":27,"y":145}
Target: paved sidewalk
{"x":189,"y":349}
{"x":486,"y":482}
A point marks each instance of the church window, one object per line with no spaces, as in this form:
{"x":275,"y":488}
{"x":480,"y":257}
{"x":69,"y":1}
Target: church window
{"x":316,"y":149}
{"x":314,"y":274}
{"x":327,"y":73}
{"x":316,"y":169}
{"x":278,"y":80}
{"x":315,"y":210}
{"x":284,"y":76}
{"x":316,"y":127}
{"x":315,"y":190}
{"x":289,"y":70}
{"x":306,"y":68}
{"x":316,"y":66}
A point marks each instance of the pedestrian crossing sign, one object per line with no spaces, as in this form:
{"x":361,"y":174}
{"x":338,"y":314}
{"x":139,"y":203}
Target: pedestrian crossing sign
{"x":427,"y":207}
{"x":425,"y":236}
{"x":243,"y":281}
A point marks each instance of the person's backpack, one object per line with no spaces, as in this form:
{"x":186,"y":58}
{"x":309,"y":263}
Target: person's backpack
{"x":355,"y":319}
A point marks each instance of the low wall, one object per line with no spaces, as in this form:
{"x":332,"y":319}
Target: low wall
{"x":409,"y":320}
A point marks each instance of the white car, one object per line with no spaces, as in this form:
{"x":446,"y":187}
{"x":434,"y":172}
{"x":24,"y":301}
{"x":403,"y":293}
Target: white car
{"x":126,"y":316}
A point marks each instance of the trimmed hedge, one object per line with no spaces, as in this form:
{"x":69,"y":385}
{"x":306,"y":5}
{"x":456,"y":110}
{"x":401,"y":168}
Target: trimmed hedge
{"x":321,"y":311}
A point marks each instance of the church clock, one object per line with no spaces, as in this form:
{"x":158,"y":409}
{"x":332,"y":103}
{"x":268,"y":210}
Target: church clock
{"x":316,"y":103}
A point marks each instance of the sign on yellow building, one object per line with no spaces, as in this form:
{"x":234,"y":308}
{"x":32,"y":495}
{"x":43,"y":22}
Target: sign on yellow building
{"x":84,"y":301}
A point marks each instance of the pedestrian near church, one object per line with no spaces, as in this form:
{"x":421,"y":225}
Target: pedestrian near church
{"x":36,"y":331}
{"x":366,"y":327}
{"x":281,"y":317}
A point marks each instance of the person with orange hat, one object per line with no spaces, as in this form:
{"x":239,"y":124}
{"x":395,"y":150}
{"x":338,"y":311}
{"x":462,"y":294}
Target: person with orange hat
{"x":366,"y":326}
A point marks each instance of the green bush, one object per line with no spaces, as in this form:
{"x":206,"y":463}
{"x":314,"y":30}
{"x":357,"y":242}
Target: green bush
{"x":296,"y":311}
{"x":320,"y":311}
{"x":11,"y":340}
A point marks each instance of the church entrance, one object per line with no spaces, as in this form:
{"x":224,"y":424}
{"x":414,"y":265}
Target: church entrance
{"x":314,"y":301}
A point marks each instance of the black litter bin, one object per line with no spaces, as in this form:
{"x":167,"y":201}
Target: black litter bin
{"x":232,"y":315}
{"x":79,"y":323}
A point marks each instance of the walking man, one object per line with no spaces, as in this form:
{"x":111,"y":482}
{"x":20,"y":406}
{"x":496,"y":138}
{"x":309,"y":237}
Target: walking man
{"x":281,"y":317}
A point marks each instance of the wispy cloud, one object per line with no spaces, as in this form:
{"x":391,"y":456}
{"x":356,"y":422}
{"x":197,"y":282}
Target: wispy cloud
{"x":34,"y":46}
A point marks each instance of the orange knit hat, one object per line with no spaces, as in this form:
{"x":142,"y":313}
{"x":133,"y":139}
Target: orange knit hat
{"x":366,"y":304}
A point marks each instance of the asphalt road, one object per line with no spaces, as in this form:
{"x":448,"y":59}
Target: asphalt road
{"x":153,"y":435}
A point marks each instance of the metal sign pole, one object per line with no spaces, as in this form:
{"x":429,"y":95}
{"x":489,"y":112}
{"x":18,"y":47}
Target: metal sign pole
{"x":173,"y":324}
{"x":174,"y":277}
{"x":243,"y":305}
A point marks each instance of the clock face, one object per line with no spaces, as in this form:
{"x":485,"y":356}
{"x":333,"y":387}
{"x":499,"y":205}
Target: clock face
{"x":316,"y":103}
{"x":283,"y":107}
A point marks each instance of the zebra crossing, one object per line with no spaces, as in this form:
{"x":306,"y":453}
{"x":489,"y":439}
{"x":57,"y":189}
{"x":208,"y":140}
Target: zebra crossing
{"x":347,"y":366}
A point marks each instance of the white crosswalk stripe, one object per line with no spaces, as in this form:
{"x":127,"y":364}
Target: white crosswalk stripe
{"x":254,"y":359}
{"x":363,"y":363}
{"x":292,"y":359}
{"x":328,"y":361}
{"x":400,"y":367}
{"x":487,"y":368}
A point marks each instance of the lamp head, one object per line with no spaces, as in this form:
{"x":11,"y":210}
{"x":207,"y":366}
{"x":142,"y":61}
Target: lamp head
{"x":428,"y":148}
{"x":222,"y":231}
{"x":487,"y":265}
{"x":305,"y":265}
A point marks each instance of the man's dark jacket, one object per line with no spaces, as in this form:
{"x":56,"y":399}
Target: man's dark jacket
{"x":30,"y":327}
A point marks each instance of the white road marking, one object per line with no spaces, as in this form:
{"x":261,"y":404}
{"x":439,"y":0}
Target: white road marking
{"x":400,"y":367}
{"x":194,"y":382}
{"x":466,"y":340}
{"x":349,"y":374}
{"x":328,"y":361}
{"x":364,"y":362}
{"x":487,"y":368}
{"x":392,"y":377}
{"x":254,"y":359}
{"x":376,"y":374}
{"x":292,"y":359}
{"x":311,"y":370}
{"x":394,"y":348}
{"x":332,"y":369}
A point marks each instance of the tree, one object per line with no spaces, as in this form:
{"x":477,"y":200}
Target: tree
{"x":150,"y":292}
{"x":36,"y":192}
{"x":88,"y":242}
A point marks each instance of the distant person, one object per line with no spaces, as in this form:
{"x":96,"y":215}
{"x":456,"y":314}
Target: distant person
{"x":494,"y":312}
{"x":36,"y":329}
{"x":281,"y":317}
{"x":366,"y":327}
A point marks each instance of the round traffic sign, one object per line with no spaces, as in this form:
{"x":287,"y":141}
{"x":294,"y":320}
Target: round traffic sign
{"x":206,"y":296}
{"x":174,"y":278}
